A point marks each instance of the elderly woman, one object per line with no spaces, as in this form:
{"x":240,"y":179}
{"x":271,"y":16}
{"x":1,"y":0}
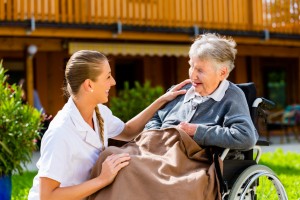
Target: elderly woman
{"x":213,"y":111}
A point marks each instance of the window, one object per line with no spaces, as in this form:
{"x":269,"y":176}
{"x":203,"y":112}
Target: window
{"x":16,"y":70}
{"x":129,"y":70}
{"x":276,"y":87}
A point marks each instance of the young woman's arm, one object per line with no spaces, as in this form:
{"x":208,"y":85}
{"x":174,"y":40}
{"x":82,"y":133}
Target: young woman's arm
{"x":49,"y":188}
{"x":137,"y":123}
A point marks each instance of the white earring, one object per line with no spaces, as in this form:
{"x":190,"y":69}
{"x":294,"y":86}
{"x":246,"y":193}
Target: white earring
{"x":92,"y":90}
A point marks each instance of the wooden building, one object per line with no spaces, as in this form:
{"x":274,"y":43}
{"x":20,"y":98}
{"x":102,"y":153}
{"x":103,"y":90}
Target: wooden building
{"x":149,"y":40}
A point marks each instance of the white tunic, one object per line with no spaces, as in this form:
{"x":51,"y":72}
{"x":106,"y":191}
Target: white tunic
{"x":70,"y":147}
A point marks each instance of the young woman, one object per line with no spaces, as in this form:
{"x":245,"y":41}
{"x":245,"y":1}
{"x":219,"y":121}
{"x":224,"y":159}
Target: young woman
{"x":80,"y":131}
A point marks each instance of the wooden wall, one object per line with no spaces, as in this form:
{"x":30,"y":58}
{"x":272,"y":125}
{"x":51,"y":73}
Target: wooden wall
{"x":49,"y":76}
{"x":165,"y":71}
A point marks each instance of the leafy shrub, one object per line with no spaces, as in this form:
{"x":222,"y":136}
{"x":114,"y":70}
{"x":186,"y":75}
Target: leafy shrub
{"x":19,"y":127}
{"x":129,"y":102}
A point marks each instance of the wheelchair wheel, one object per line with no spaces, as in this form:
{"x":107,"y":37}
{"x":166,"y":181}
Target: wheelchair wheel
{"x":257,"y":182}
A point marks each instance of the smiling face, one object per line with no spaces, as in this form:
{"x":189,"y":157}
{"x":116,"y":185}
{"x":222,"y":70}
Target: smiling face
{"x":103,"y":83}
{"x":205,"y":76}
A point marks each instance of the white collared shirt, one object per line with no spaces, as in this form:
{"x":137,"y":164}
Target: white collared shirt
{"x":70,"y":147}
{"x":217,"y":95}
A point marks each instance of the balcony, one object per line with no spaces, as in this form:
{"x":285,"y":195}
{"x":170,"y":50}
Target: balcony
{"x":257,"y":17}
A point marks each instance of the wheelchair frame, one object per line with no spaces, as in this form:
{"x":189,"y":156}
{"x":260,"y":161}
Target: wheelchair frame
{"x":240,"y":178}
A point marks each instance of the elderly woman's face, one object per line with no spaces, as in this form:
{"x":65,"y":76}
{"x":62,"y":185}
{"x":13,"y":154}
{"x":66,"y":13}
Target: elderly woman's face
{"x":205,"y":77}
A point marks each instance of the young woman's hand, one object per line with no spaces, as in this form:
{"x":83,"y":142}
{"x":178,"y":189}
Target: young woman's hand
{"x":112,"y":165}
{"x":175,"y":91}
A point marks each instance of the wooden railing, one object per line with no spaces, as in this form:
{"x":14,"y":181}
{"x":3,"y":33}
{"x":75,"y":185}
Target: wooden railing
{"x":251,"y":15}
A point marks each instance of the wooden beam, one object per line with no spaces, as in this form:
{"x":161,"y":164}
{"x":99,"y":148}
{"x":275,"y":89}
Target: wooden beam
{"x":43,"y":44}
{"x":268,"y":51}
{"x":130,"y":35}
{"x":96,"y":34}
{"x":29,"y":79}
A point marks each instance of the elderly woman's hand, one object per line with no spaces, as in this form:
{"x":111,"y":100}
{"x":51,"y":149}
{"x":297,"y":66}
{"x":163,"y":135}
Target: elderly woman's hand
{"x":190,"y":129}
{"x":175,"y":91}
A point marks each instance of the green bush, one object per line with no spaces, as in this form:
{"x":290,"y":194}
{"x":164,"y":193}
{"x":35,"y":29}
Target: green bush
{"x":19,"y":127}
{"x":129,"y":102}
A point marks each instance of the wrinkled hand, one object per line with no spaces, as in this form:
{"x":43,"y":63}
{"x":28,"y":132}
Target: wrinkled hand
{"x":175,"y":91}
{"x":190,"y":129}
{"x":112,"y":165}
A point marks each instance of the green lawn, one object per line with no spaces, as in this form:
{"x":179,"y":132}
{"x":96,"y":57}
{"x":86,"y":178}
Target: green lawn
{"x":21,"y":185}
{"x":285,"y":165}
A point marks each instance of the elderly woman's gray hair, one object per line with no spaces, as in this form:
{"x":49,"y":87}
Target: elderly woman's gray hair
{"x":213,"y":47}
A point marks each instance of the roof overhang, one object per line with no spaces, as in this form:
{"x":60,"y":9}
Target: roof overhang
{"x":133,"y":49}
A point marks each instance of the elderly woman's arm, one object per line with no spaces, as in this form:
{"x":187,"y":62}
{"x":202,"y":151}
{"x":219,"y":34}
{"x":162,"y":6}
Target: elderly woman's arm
{"x":239,"y":133}
{"x":154,"y":123}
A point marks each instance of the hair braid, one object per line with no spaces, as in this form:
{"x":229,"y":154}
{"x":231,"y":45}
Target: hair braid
{"x":101,"y":126}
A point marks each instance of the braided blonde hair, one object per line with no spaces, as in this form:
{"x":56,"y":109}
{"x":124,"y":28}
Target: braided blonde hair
{"x":101,"y":126}
{"x":82,"y":65}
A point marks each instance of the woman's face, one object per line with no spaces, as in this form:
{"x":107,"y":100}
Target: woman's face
{"x":103,"y":84}
{"x":205,"y":77}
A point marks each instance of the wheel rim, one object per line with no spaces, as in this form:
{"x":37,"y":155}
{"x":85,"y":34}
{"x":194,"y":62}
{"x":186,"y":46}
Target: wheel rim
{"x":257,"y":182}
{"x":268,"y":188}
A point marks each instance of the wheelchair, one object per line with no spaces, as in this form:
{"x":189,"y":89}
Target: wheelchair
{"x":242,"y":175}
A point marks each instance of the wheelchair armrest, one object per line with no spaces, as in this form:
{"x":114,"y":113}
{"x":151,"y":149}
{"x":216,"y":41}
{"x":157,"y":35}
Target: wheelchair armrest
{"x":263,"y":103}
{"x":255,"y":148}
{"x":224,"y":154}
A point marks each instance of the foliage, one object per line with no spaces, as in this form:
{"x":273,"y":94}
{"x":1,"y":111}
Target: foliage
{"x":19,"y":126}
{"x":130,"y":102}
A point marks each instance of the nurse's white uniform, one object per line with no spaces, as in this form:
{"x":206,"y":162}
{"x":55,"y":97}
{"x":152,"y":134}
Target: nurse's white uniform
{"x":70,"y":147}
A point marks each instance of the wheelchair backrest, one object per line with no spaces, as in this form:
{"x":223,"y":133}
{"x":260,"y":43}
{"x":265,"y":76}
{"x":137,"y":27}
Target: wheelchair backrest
{"x":249,"y":90}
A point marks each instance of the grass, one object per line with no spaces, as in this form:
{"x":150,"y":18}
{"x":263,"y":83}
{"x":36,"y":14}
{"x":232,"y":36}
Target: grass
{"x":21,"y":185}
{"x":285,"y":165}
{"x":287,"y":168}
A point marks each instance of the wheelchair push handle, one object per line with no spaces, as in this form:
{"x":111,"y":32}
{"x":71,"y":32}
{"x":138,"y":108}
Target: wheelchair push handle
{"x":268,"y":104}
{"x":263,"y":103}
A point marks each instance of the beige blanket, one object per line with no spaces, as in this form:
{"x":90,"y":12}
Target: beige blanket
{"x":165,"y":164}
